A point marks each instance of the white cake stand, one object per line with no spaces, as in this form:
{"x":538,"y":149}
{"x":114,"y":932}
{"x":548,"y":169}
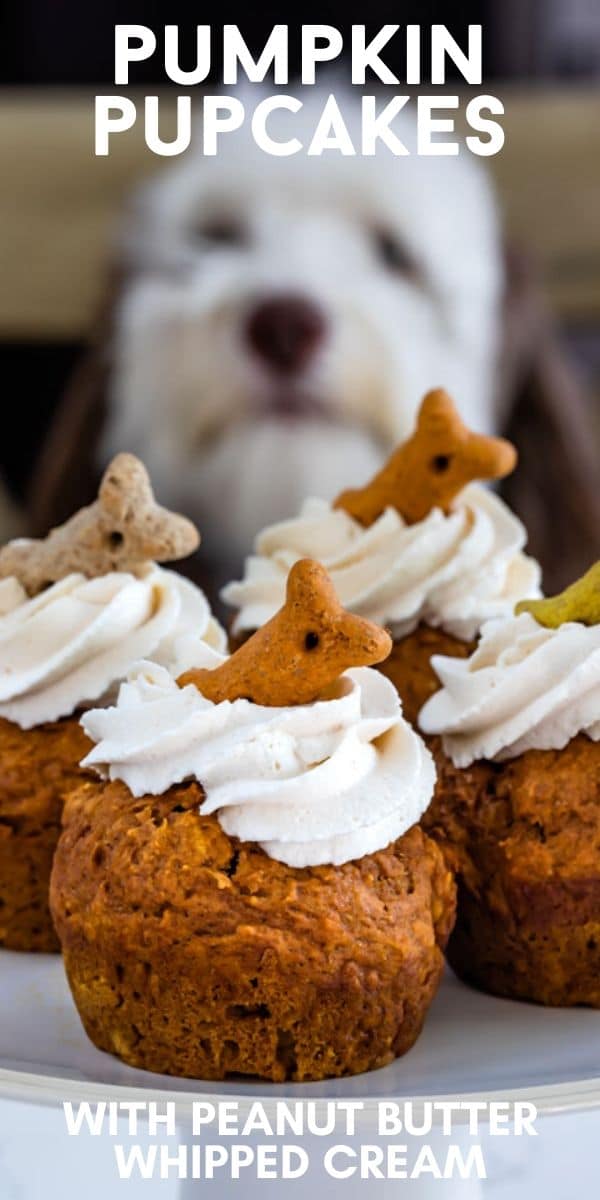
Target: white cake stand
{"x":473,"y":1047}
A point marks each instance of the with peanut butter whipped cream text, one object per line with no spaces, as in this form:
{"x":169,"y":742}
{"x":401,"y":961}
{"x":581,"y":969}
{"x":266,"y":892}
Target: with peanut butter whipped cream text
{"x":315,"y":783}
{"x":526,"y":687}
{"x":453,"y":570}
{"x":73,"y":641}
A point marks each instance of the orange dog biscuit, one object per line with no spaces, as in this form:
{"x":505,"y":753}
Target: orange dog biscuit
{"x":431,"y":467}
{"x":305,"y":647}
{"x":123,"y":530}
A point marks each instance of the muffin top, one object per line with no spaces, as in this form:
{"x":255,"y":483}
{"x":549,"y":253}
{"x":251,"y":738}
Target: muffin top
{"x":330,"y":778}
{"x":533,"y":683}
{"x":80,"y":606}
{"x":419,"y":543}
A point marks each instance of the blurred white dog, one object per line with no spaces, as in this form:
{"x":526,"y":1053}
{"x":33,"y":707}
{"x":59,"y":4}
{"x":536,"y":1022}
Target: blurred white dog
{"x":283,"y":317}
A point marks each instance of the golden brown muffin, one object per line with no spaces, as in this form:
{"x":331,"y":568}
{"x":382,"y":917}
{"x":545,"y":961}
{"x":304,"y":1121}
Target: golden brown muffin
{"x":409,"y":665}
{"x":191,"y":953}
{"x":37,"y":768}
{"x":523,"y":837}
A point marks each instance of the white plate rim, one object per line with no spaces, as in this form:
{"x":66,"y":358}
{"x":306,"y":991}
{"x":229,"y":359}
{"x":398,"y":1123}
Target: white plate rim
{"x":52,"y":1090}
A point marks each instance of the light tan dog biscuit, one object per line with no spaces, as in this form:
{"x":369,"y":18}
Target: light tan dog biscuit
{"x":431,"y":467}
{"x":123,"y":530}
{"x":303,"y":649}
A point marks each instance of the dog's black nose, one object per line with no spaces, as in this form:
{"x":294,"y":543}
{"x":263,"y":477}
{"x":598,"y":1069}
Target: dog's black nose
{"x":285,"y":331}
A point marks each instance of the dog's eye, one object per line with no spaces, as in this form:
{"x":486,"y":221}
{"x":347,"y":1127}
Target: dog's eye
{"x":441,"y":463}
{"x":311,"y":641}
{"x":221,"y":231}
{"x":393,"y":253}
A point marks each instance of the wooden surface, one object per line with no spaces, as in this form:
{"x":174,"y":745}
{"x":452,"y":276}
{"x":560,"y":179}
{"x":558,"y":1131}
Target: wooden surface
{"x":59,"y":204}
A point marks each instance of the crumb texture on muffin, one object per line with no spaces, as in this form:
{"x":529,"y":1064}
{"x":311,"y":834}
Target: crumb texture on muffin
{"x":409,"y":665}
{"x":191,"y":953}
{"x":38,"y":767}
{"x":523,"y":837}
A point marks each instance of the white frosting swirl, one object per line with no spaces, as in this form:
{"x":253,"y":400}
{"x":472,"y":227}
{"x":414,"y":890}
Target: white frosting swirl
{"x":456,"y":570}
{"x":67,"y":646}
{"x":318,"y":783}
{"x":524,"y":688}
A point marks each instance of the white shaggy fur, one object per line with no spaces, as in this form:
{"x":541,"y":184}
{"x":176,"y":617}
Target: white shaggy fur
{"x":194,"y":402}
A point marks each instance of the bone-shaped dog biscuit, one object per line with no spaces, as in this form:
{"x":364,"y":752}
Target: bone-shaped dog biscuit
{"x":303,"y":649}
{"x":123,"y":530}
{"x":431,"y":467}
{"x":579,"y":602}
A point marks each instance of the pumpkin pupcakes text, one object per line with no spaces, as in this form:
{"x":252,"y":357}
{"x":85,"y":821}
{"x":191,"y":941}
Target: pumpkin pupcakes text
{"x":321,"y":45}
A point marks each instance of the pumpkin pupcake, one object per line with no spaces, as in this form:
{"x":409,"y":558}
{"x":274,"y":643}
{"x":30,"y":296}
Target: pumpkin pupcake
{"x":256,"y":896}
{"x":516,"y":734}
{"x":76,"y":609}
{"x":421,"y":549}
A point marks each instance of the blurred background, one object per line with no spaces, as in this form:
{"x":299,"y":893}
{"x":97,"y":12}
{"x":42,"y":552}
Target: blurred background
{"x":60,"y":208}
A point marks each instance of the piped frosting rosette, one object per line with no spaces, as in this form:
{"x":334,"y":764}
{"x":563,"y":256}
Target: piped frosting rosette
{"x":68,"y":645}
{"x":454,"y":570}
{"x":526,"y":687}
{"x":324,"y":782}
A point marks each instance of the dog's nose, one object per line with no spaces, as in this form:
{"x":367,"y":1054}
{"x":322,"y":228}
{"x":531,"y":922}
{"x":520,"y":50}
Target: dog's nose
{"x":285,"y":331}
